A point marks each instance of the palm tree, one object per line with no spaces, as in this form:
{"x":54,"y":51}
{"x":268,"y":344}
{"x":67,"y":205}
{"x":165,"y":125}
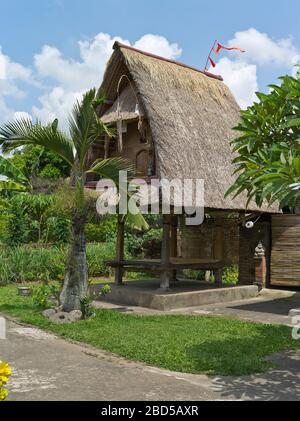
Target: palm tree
{"x":11,"y":178}
{"x":85,"y":129}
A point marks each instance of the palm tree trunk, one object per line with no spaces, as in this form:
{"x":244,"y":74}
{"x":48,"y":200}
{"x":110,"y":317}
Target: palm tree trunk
{"x":76,"y":276}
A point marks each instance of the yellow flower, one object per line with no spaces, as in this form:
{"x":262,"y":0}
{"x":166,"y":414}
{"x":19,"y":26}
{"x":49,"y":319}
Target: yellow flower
{"x":5,"y":372}
{"x":3,"y":394}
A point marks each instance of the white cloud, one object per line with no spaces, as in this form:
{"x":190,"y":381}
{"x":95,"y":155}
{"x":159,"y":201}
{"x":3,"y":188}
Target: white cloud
{"x":263,"y":50}
{"x":56,"y":104}
{"x":72,"y":78}
{"x":158,"y":45}
{"x":240,"y":72}
{"x":62,"y":80}
{"x":296,"y":65}
{"x":11,"y":74}
{"x":22,"y":114}
{"x":241,"y":78}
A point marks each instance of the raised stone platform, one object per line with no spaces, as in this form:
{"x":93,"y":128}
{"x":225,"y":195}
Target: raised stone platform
{"x":183,"y":294}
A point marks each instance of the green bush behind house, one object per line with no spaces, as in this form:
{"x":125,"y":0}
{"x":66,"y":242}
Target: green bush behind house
{"x":36,"y":264}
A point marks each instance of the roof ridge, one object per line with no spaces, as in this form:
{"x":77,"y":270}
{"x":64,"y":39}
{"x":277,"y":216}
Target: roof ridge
{"x":118,"y":44}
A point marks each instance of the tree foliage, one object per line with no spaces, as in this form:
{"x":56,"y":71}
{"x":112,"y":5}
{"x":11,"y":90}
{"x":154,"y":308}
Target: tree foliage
{"x":267,"y":149}
{"x":36,"y":161}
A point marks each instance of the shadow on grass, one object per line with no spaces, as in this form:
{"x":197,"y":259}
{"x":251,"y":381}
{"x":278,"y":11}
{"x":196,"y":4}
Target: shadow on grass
{"x":238,"y":355}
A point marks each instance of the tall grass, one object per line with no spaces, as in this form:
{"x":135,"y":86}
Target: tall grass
{"x":31,"y":264}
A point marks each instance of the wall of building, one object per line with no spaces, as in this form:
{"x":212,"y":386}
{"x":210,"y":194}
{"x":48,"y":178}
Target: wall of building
{"x":216,"y":239}
{"x":285,"y":257}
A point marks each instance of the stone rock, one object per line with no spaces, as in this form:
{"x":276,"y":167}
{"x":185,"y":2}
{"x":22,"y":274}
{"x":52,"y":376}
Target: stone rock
{"x":295,"y":312}
{"x":49,"y":313}
{"x":61,"y":318}
{"x":76,"y":315}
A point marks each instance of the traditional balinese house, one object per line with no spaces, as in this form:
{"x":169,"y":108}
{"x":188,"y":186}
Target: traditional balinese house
{"x":175,"y":122}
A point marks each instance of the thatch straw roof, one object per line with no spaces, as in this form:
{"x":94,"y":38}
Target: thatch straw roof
{"x":191,"y":115}
{"x":127,"y":103}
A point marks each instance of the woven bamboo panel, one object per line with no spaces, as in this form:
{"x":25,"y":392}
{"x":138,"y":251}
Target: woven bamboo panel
{"x":285,"y":257}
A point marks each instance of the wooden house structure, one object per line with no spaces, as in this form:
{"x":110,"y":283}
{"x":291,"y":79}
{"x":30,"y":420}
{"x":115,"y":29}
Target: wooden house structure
{"x":175,"y":122}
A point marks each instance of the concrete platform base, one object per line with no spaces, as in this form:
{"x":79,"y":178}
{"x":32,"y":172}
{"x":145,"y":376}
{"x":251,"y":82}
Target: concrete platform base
{"x":295,"y":312}
{"x":182,"y":294}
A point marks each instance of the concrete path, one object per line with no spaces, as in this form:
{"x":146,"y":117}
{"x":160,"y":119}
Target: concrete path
{"x":46,"y":368}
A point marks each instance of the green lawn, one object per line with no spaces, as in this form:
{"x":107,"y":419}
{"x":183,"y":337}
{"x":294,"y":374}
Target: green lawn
{"x":190,"y":344}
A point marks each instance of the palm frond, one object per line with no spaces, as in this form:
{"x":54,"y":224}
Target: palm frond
{"x":85,"y":126}
{"x":23,"y":132}
{"x":110,"y":168}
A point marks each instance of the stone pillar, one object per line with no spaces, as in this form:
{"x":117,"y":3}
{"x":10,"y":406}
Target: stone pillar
{"x":260,"y":266}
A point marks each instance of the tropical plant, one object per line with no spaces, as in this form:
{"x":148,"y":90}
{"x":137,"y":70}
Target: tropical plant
{"x":5,"y":373}
{"x":34,"y":218}
{"x":267,"y":149}
{"x":37,"y":161}
{"x":85,"y":128}
{"x":11,"y":178}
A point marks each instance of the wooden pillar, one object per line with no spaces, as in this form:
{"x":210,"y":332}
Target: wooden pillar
{"x":120,"y":250}
{"x":174,"y":244}
{"x":219,"y":277}
{"x":166,"y":252}
{"x":218,"y":254}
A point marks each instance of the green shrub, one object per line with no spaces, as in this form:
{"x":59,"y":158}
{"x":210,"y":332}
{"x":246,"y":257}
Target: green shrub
{"x":231,"y":275}
{"x":28,"y":264}
{"x":46,"y":296}
{"x":198,"y":275}
{"x":39,"y":264}
{"x":97,"y":254}
{"x":35,"y":219}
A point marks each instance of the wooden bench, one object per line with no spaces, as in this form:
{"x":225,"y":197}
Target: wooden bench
{"x":175,"y":264}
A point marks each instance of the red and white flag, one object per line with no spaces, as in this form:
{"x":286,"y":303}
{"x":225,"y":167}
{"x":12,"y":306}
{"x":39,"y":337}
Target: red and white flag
{"x":217,"y":47}
{"x":221,"y":47}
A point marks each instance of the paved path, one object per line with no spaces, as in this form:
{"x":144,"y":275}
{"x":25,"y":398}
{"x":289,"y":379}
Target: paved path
{"x":46,"y":368}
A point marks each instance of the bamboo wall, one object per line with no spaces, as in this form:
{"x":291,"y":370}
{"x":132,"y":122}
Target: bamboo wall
{"x":217,"y":240}
{"x":285,"y":258}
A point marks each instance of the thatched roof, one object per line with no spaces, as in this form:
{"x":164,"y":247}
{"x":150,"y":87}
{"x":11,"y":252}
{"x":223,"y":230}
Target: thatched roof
{"x":127,"y":103}
{"x":191,"y":115}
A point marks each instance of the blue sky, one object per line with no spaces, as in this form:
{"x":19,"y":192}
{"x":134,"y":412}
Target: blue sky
{"x":52,"y":50}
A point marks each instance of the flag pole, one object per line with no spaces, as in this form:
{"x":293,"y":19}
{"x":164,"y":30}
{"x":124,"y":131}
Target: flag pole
{"x":207,"y":61}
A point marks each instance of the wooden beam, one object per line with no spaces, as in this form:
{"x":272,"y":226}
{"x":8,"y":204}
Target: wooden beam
{"x":120,"y":250}
{"x":166,"y":252}
{"x":174,"y":244}
{"x":218,"y":254}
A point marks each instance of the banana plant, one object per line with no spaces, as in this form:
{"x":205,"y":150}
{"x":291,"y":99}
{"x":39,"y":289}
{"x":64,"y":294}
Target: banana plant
{"x":11,"y":178}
